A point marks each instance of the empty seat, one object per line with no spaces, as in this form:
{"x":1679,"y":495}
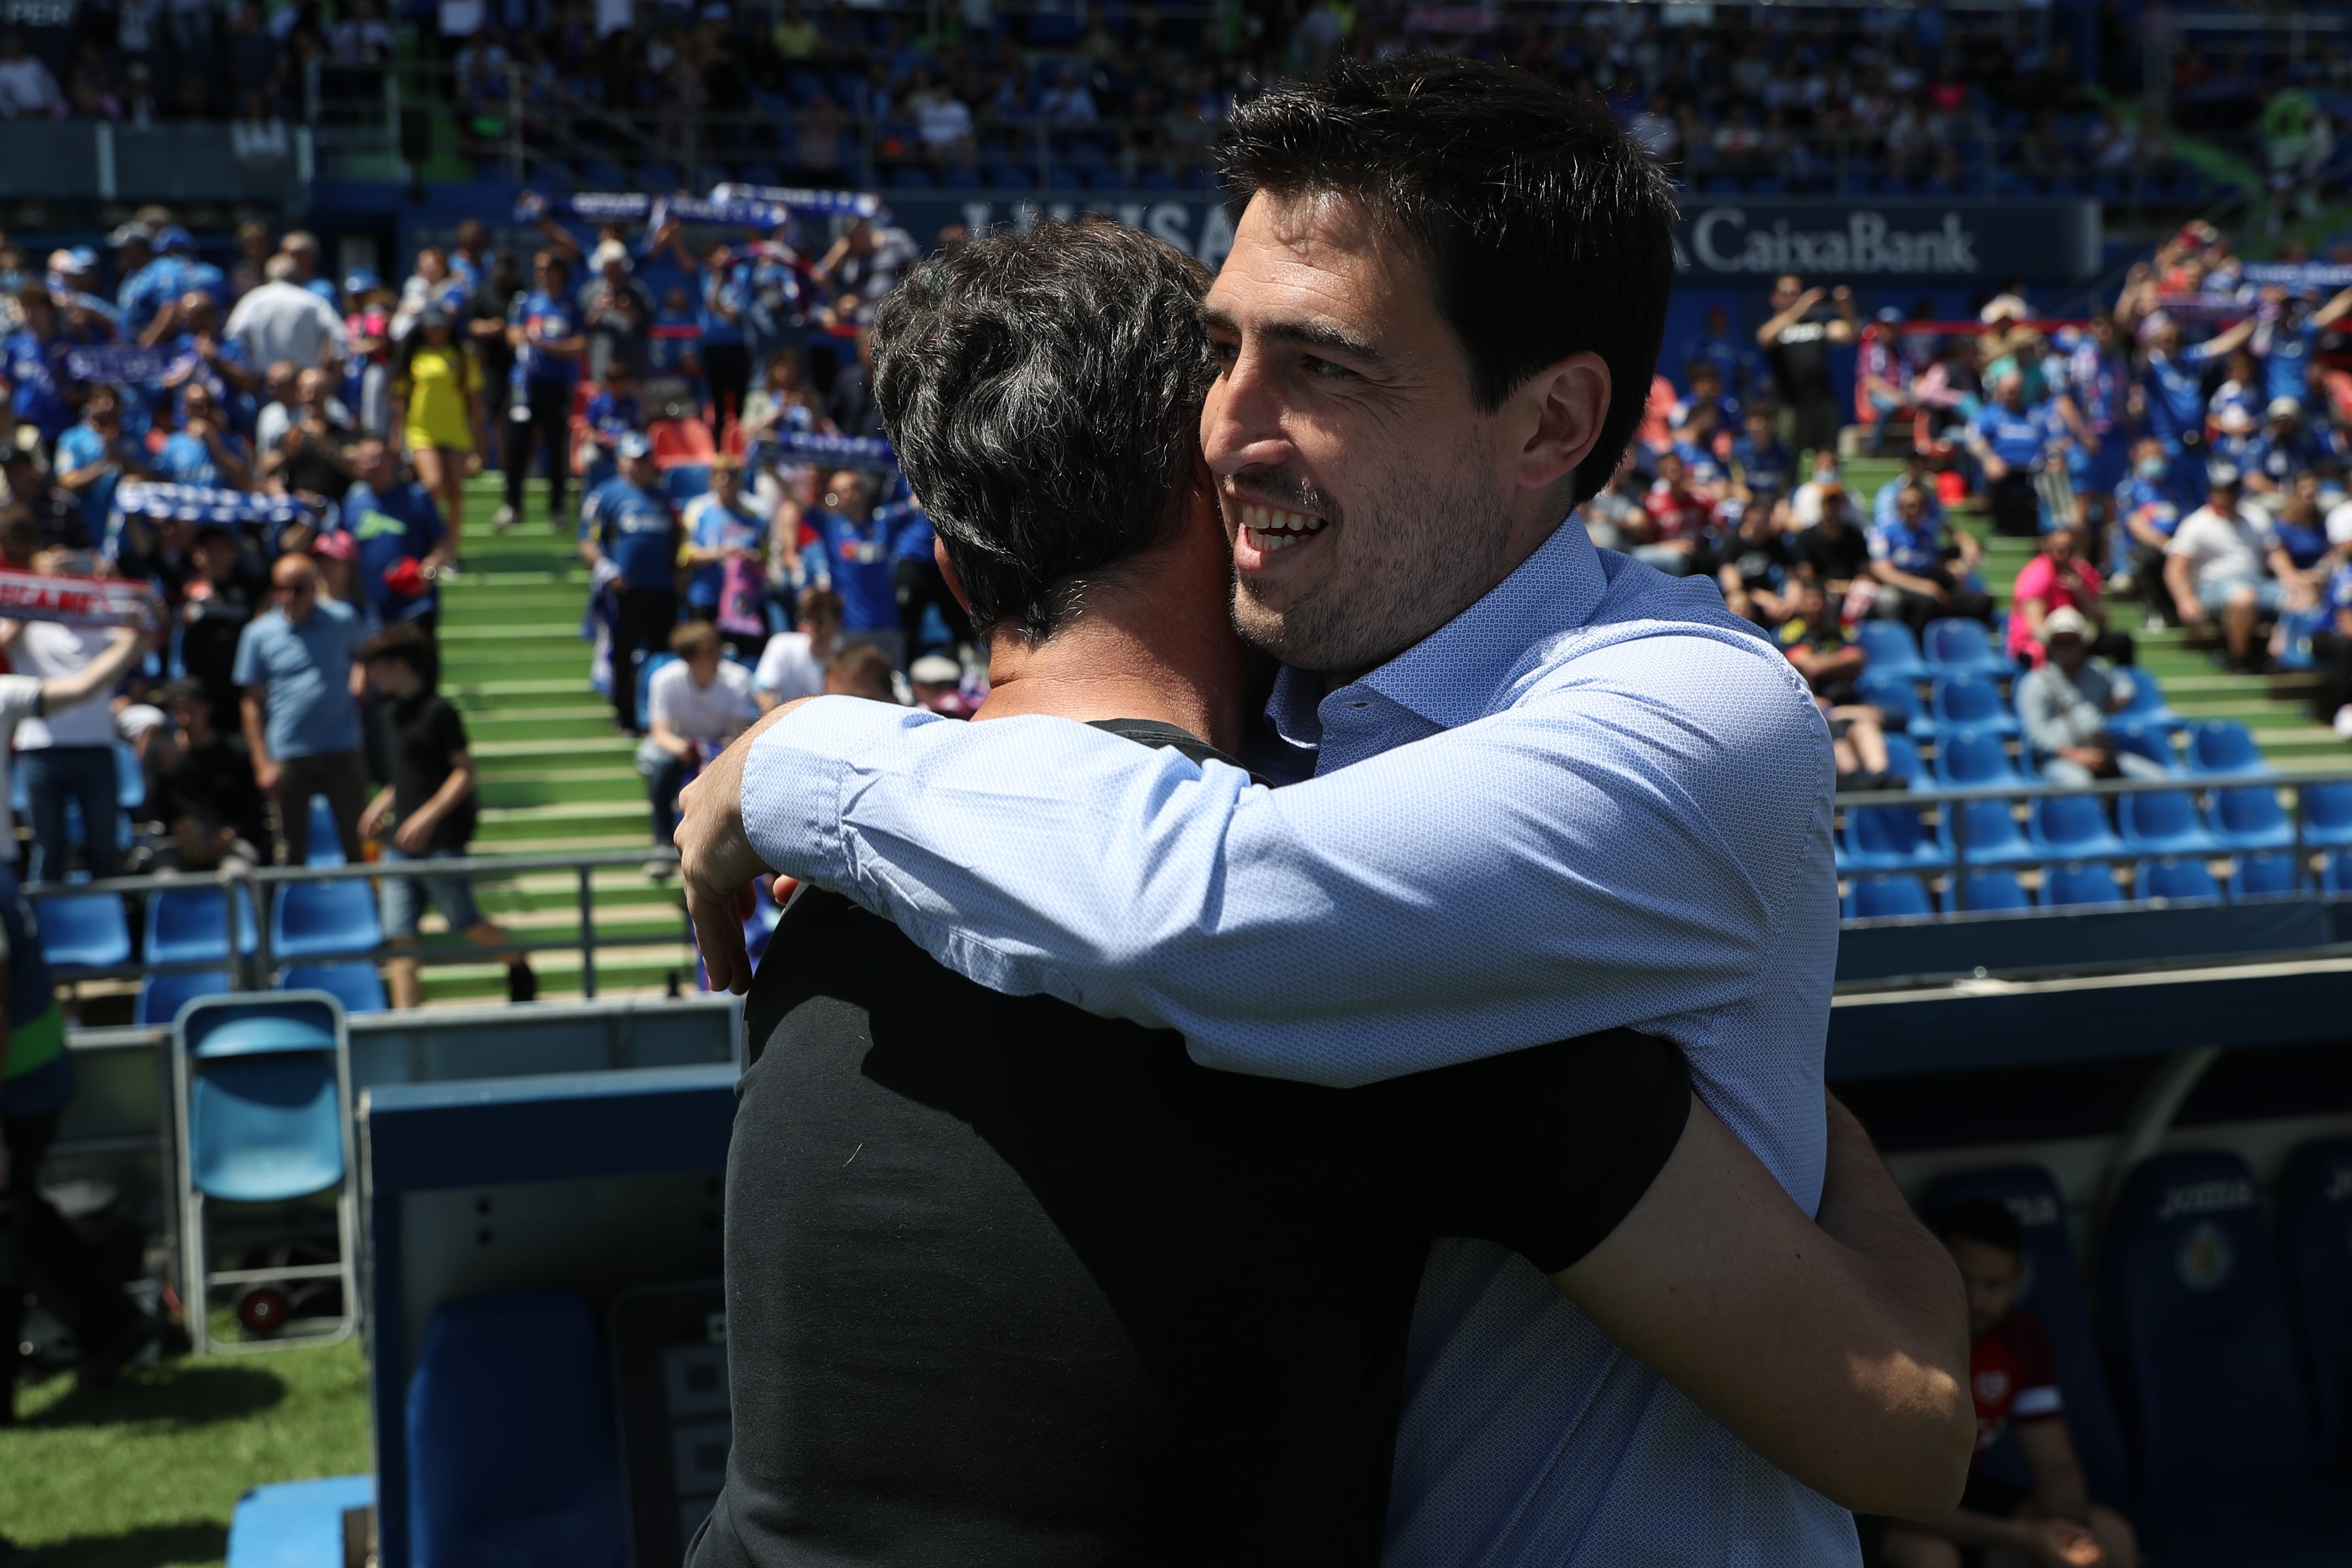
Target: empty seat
{"x":1984,"y":892}
{"x":1902,"y":761}
{"x":2269,"y":874}
{"x":2071,"y":827}
{"x":2336,"y":871}
{"x":326,"y":838}
{"x":1972,"y":759}
{"x":2314,"y":1220}
{"x":1994,"y":837}
{"x":2163,"y":822}
{"x":1891,"y":652}
{"x":512,"y":1457}
{"x":2155,"y":745}
{"x":314,"y":919}
{"x":2052,"y":1291}
{"x":1888,"y":838}
{"x":2327,"y":812}
{"x":2146,"y":710}
{"x":1969,"y":701}
{"x":86,"y":929}
{"x":1882,"y":897}
{"x":2223,"y":748}
{"x":1896,"y":698}
{"x":678,"y":442}
{"x":161,"y":997}
{"x":192,"y":922}
{"x":2176,"y":880}
{"x":2079,"y":887}
{"x":357,"y":986}
{"x":2249,"y":819}
{"x":1957,"y":646}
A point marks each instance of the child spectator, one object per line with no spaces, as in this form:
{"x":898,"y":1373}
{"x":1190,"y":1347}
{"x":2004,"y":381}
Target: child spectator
{"x":793,"y":665}
{"x":694,"y":706}
{"x":428,"y":812}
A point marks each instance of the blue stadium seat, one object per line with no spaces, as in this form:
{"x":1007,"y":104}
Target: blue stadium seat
{"x":130,"y":778}
{"x":1155,"y":180}
{"x":2266,"y":876}
{"x":654,"y":661}
{"x":912,"y":177}
{"x":2153,"y":744}
{"x":2071,"y":828}
{"x":2223,"y":748}
{"x":686,"y":481}
{"x":2326,"y":814}
{"x":2079,"y":887}
{"x":1903,"y":760}
{"x":2176,"y":880}
{"x":1994,"y":838}
{"x":311,"y":919}
{"x":1969,"y":701}
{"x":512,"y":1455}
{"x":1896,"y":698}
{"x":1972,"y":759}
{"x":654,"y":177}
{"x":1891,"y":649}
{"x":192,"y":922}
{"x":2336,"y":872}
{"x":2145,"y":709}
{"x":1877,"y":897}
{"x":2052,"y":1291}
{"x":2249,"y":819}
{"x":357,"y":986}
{"x":2163,"y":822}
{"x":1988,"y":892}
{"x":84,"y":927}
{"x":2314,"y":1207}
{"x":161,"y":997}
{"x":326,"y":838}
{"x":959,"y":177}
{"x":1888,"y":838}
{"x":1955,"y":646}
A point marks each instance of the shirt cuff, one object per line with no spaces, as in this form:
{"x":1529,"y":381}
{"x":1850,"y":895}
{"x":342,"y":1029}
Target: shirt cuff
{"x":795,"y":777}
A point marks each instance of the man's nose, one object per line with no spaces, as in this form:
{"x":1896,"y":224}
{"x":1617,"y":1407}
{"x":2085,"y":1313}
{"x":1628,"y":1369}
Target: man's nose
{"x":1243,"y":423}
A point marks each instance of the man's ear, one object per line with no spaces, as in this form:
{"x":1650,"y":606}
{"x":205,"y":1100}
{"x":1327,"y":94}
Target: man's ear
{"x":1561,"y":409}
{"x":947,"y":570}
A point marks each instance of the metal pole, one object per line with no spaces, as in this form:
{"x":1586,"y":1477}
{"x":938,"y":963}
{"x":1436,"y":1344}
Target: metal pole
{"x":587,"y":935}
{"x":228,"y":886}
{"x":1959,"y":854}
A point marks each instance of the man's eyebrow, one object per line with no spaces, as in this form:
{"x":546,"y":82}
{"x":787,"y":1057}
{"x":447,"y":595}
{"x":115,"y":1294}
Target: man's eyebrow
{"x":1304,"y":334}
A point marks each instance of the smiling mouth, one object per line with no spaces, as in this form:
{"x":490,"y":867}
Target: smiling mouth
{"x":1272,"y":528}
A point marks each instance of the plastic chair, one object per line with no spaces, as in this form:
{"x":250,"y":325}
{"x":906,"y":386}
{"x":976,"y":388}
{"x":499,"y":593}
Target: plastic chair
{"x":1993,"y":837}
{"x":309,"y":920}
{"x":2079,"y":887}
{"x":2249,"y":819}
{"x":326,"y":837}
{"x":161,"y":997}
{"x":2146,"y":710}
{"x":2326,"y":814}
{"x":2071,"y":828}
{"x":1988,"y":892}
{"x":1879,"y":898}
{"x":512,"y":1451}
{"x":684,"y":482}
{"x":2266,"y":876}
{"x":2155,"y":745}
{"x":357,"y":986}
{"x":1891,"y":652}
{"x":1969,"y":701}
{"x":2176,"y":880}
{"x":192,"y":922}
{"x":681,"y":441}
{"x":2336,"y":872}
{"x":1972,"y":759}
{"x":1955,"y":646}
{"x":85,"y":929}
{"x":1896,"y":698}
{"x":264,"y":1097}
{"x":1888,"y":838}
{"x":2163,"y":822}
{"x":2223,"y":748}
{"x":1903,"y":760}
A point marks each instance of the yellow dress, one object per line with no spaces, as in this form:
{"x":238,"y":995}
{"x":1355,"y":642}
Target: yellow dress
{"x":436,"y":386}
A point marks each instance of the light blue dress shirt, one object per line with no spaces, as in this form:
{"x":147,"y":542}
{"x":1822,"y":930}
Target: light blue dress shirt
{"x":1594,"y":798}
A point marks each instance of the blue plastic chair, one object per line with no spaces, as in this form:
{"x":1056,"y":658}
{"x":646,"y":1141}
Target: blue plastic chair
{"x":1903,"y":760}
{"x":326,"y":838}
{"x":684,"y":482}
{"x":161,"y":997}
{"x":1891,"y":649}
{"x":264,"y":1093}
{"x":1969,"y":701}
{"x":2071,"y":828}
{"x":1888,"y":838}
{"x":1955,"y":646}
{"x":1986,"y":892}
{"x":1896,"y":698}
{"x":2163,"y":822}
{"x":86,"y":929}
{"x":308,"y":920}
{"x":2271,"y":874}
{"x":2223,"y":748}
{"x":2326,"y":814}
{"x":2336,"y":872}
{"x":357,"y":986}
{"x":130,"y":778}
{"x":2249,"y":819}
{"x":2079,"y":887}
{"x":1882,"y":897}
{"x":2176,"y":880}
{"x":2146,"y":710}
{"x":2155,"y":745}
{"x":1994,"y":836}
{"x":191,"y":922}
{"x":1972,"y":759}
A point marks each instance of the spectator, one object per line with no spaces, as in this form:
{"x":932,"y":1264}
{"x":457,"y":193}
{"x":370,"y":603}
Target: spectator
{"x":311,"y":459}
{"x":726,"y":583}
{"x":2059,"y":578}
{"x":204,"y":450}
{"x":1882,"y":390}
{"x":793,"y":665}
{"x":1763,"y":469}
{"x":93,"y":457}
{"x":368,"y":340}
{"x":494,"y":298}
{"x":938,"y":682}
{"x":861,"y":670}
{"x":850,"y":553}
{"x":2014,"y":1372}
{"x":851,"y":405}
{"x":283,"y":320}
{"x":223,"y":594}
{"x":548,"y":343}
{"x":429,"y":810}
{"x":618,"y":311}
{"x":1615,"y":518}
{"x":2010,"y":439}
{"x":436,"y":403}
{"x":250,"y":269}
{"x":278,"y":380}
{"x":402,"y":546}
{"x":2331,"y":649}
{"x":27,"y":90}
{"x":2064,"y":707}
{"x":1815,"y":642}
{"x":303,"y":246}
{"x":863,"y":265}
{"x":627,"y":522}
{"x":296,"y":664}
{"x":2148,"y":517}
{"x":1833,"y":551}
{"x":1921,"y":573}
{"x":1795,"y":342}
{"x":696,"y":705}
{"x":1757,"y":572}
{"x":66,"y":750}
{"x":200,"y":786}
{"x":614,"y":410}
{"x":2225,"y":561}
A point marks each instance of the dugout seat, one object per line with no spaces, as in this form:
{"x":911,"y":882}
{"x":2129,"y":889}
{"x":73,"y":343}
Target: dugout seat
{"x":1896,"y":698}
{"x":2249,"y":819}
{"x":2082,"y":886}
{"x":326,"y":837}
{"x":1885,"y":897}
{"x":513,"y":1458}
{"x":357,"y":986}
{"x":1888,"y":838}
{"x":2071,"y":827}
{"x":1969,"y":700}
{"x":1972,"y":759}
{"x":2327,"y":812}
{"x":2176,"y":880}
{"x":1903,"y":760}
{"x":2146,"y":711}
{"x":2266,"y":876}
{"x":2316,"y":1252}
{"x":2223,"y":748}
{"x":161,"y":997}
{"x":85,"y":929}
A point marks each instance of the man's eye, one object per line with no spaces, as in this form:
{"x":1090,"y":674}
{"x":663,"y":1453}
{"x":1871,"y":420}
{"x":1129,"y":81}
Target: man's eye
{"x":1324,"y":370}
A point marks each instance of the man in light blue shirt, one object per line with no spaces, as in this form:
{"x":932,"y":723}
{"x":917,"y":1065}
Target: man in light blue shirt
{"x":1553,"y":791}
{"x":301,"y":709}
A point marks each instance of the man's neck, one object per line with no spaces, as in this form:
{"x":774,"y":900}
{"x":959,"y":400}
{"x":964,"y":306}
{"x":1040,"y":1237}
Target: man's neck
{"x":1128,"y":655}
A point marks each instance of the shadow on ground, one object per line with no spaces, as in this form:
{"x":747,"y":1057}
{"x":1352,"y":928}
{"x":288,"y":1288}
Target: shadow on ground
{"x":146,"y":1546}
{"x":175,"y":1393}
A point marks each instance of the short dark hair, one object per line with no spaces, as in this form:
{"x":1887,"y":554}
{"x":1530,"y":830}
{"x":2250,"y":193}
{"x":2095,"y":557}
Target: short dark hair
{"x":863,"y":664}
{"x":405,"y":642}
{"x":690,"y":638}
{"x":1546,"y":230}
{"x":1043,"y":393}
{"x":1987,"y":1222}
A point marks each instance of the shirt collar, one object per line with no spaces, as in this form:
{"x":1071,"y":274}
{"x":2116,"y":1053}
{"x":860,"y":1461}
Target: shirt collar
{"x":1451,"y":677}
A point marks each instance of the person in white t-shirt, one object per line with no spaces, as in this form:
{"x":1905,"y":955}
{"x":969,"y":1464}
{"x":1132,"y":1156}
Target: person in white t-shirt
{"x":2224,"y":561}
{"x":793,"y":664}
{"x":283,"y":320}
{"x":29,"y":699}
{"x":694,"y":707}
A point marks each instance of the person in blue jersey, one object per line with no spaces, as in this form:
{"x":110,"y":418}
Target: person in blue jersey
{"x":204,"y":450}
{"x":922,"y":586}
{"x":2331,"y":652}
{"x":725,"y":538}
{"x":1734,"y":360}
{"x":403,"y":545}
{"x":1916,"y":470}
{"x":628,"y":521}
{"x":725,"y":351}
{"x":614,"y":410}
{"x":200,"y":356}
{"x":2089,"y":379}
{"x":674,"y":345}
{"x":1924,"y":572}
{"x":2169,"y":400}
{"x":2288,"y":336}
{"x":548,"y":340}
{"x":778,"y":294}
{"x":94,"y":455}
{"x":1761,"y":464}
{"x":2147,"y":516}
{"x":2012,"y":441}
{"x":33,"y":359}
{"x":2285,"y":446}
{"x":133,"y":247}
{"x":848,"y":548}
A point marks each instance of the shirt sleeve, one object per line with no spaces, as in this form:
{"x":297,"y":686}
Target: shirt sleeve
{"x":20,"y":698}
{"x":246,"y":670}
{"x":449,"y":730}
{"x":1600,"y":853}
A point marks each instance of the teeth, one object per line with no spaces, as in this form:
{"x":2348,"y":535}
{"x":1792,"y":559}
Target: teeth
{"x":1271,"y":529}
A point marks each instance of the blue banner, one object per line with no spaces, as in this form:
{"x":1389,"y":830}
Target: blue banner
{"x":201,"y":503}
{"x":839,"y":451}
{"x":2299,"y":274}
{"x":744,"y":206}
{"x":120,"y":364}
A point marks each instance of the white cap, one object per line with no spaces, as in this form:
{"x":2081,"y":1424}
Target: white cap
{"x":935,"y":670}
{"x":610,"y":250}
{"x":2339,"y":524}
{"x":2065,"y":622}
{"x":2286,"y":408}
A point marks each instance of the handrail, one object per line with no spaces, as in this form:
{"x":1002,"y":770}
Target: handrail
{"x":2032,"y":789}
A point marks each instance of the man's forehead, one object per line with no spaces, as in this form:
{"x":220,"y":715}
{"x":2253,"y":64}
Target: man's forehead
{"x":1321,"y":259}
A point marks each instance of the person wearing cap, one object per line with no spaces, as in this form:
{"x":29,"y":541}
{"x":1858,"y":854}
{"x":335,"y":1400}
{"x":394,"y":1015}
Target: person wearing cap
{"x":2225,"y":561}
{"x":403,"y":545}
{"x":2284,"y":446}
{"x":283,"y":320}
{"x":545,"y":333}
{"x":628,"y":521}
{"x":2064,"y":706}
{"x":435,"y":402}
{"x":938,"y":683}
{"x":617,"y":310}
